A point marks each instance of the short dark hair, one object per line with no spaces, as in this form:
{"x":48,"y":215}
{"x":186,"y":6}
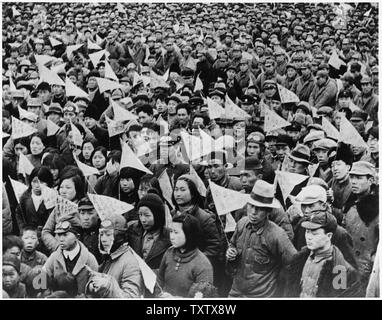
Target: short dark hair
{"x":205,"y":117}
{"x":196,"y":198}
{"x":115,"y":156}
{"x":185,"y":106}
{"x":28,"y":227}
{"x":146,"y":108}
{"x":101,"y":149}
{"x":191,"y":229}
{"x":11,"y":241}
{"x":54,"y":161}
{"x":42,"y":137}
{"x":43,"y":174}
{"x":374,"y":132}
{"x":152,"y":126}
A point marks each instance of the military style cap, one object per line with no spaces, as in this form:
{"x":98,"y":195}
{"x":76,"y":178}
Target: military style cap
{"x":321,"y":219}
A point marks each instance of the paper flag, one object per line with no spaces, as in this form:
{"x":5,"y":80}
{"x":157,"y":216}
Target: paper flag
{"x":148,"y":275}
{"x":157,"y":81}
{"x":71,"y":49}
{"x":76,"y":135}
{"x":21,"y":129}
{"x":186,"y":27}
{"x":193,"y":146}
{"x":176,"y":27}
{"x":230,"y":223}
{"x":330,"y":130}
{"x":287,"y":96}
{"x":73,"y":91}
{"x":24,"y":114}
{"x":86,"y":170}
{"x":114,"y":127}
{"x":96,"y":57}
{"x":120,"y":8}
{"x":109,"y":73}
{"x":335,"y":61}
{"x":93,"y":46}
{"x":287,"y":181}
{"x":50,"y":196}
{"x":272,"y":121}
{"x":15,"y":12}
{"x":18,"y":188}
{"x":49,"y":76}
{"x":51,"y":127}
{"x":106,"y":85}
{"x":166,"y":187}
{"x":99,"y":40}
{"x":64,"y":206}
{"x":198,"y":84}
{"x":129,"y":159}
{"x":201,"y":187}
{"x":108,"y":206}
{"x":25,"y":166}
{"x":215,"y":110}
{"x":54,"y":42}
{"x":12,"y":86}
{"x":366,"y":14}
{"x":232,"y":111}
{"x":126,"y":101}
{"x":349,"y":134}
{"x":224,"y":142}
{"x":166,"y":75}
{"x":227,"y":200}
{"x":58,"y":67}
{"x":353,"y":107}
{"x":163,"y":124}
{"x":121,"y":114}
{"x":43,"y":59}
{"x":5,"y":135}
{"x":312,"y":168}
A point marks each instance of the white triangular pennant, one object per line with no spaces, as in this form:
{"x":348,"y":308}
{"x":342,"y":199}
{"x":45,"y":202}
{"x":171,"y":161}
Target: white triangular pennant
{"x":107,"y":85}
{"x":120,"y":8}
{"x":232,"y":111}
{"x":114,"y":127}
{"x":25,"y":166}
{"x":330,"y":130}
{"x":109,"y":73}
{"x":287,"y":96}
{"x":148,"y":275}
{"x":93,"y":46}
{"x":86,"y":170}
{"x":21,"y":129}
{"x":129,"y":159}
{"x":106,"y":206}
{"x":215,"y":110}
{"x":18,"y":188}
{"x":54,"y":42}
{"x":121,"y":114}
{"x":272,"y":121}
{"x":50,"y":76}
{"x":73,"y":91}
{"x":15,"y":12}
{"x":349,"y":134}
{"x":200,"y":185}
{"x":198,"y":84}
{"x":287,"y":181}
{"x":335,"y":61}
{"x":166,"y":187}
{"x":24,"y":114}
{"x":12,"y":86}
{"x":99,"y":40}
{"x":76,"y":135}
{"x":71,"y":49}
{"x":51,"y":128}
{"x":96,"y":57}
{"x":230,"y":223}
{"x":227,"y":200}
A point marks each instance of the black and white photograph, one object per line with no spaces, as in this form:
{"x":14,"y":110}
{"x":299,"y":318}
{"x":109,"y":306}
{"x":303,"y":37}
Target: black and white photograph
{"x":190,"y":150}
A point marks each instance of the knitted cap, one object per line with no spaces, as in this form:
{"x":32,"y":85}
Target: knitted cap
{"x":156,"y":205}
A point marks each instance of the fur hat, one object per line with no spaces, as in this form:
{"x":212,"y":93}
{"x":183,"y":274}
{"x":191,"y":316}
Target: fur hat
{"x":156,"y":205}
{"x":343,"y":152}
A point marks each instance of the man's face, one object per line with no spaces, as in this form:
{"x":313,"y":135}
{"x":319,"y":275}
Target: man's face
{"x":256,"y":215}
{"x":367,"y":88}
{"x":69,"y":117}
{"x":269,"y":69}
{"x":360,"y":184}
{"x":296,"y":167}
{"x":322,"y":155}
{"x":67,"y":240}
{"x":248,"y":179}
{"x":30,"y":240}
{"x":291,"y":73}
{"x":216,"y":170}
{"x":90,"y":122}
{"x":57,"y":90}
{"x":6,"y":123}
{"x":321,"y":80}
{"x":249,"y":108}
{"x":183,"y":115}
{"x":15,"y":251}
{"x":88,"y":218}
{"x":372,"y":142}
{"x":340,"y":169}
{"x":359,"y":124}
{"x":144,"y":117}
{"x":231,"y":74}
{"x":269,"y":91}
{"x":44,"y":95}
{"x":253,"y":149}
{"x":344,"y":102}
{"x":106,"y":237}
{"x":281,"y":151}
{"x":317,"y":239}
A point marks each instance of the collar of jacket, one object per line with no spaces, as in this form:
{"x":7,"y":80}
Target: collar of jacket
{"x":81,"y":262}
{"x":260,"y":230}
{"x":120,"y":251}
{"x":184,"y":257}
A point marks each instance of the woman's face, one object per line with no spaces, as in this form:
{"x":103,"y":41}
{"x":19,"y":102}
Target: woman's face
{"x":143,"y":188}
{"x":87,"y":150}
{"x":253,"y":149}
{"x":67,"y":189}
{"x":36,"y":186}
{"x":177,"y":236}
{"x":127,"y":185}
{"x":55,"y":173}
{"x":146,"y":218}
{"x":161,"y":106}
{"x":37,"y":147}
{"x":182,"y":193}
{"x":106,"y":237}
{"x":99,"y":160}
{"x":372,"y":142}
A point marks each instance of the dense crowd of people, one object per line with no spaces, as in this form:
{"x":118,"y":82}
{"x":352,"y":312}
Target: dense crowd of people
{"x":186,"y":150}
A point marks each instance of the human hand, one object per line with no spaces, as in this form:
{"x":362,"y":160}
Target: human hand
{"x":231,"y":254}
